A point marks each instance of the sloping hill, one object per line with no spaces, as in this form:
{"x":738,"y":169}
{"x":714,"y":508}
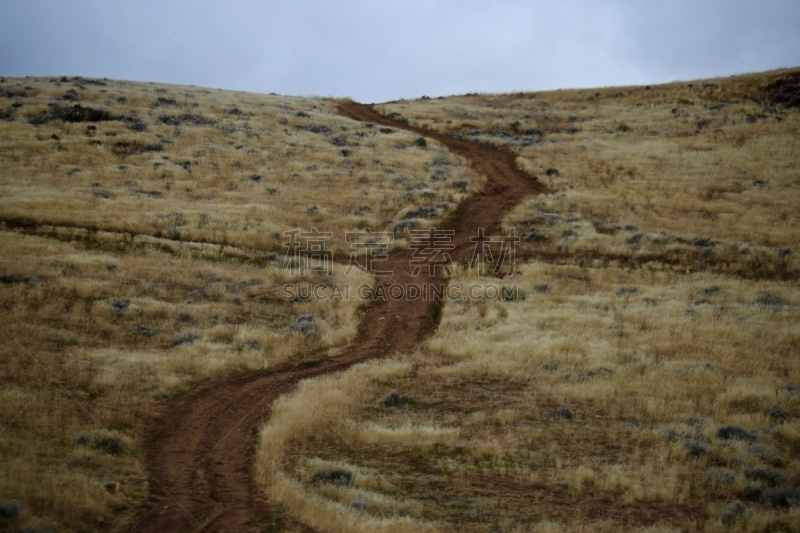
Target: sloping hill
{"x":202,"y":456}
{"x":634,"y":367}
{"x":643,"y":375}
{"x":694,"y":175}
{"x":144,"y":251}
{"x":216,"y":167}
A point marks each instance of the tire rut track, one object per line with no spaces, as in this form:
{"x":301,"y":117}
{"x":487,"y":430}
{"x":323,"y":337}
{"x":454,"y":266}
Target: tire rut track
{"x":200,"y":450}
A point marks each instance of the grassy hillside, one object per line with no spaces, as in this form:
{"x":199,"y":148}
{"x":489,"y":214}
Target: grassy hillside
{"x":143,"y":251}
{"x":217,"y":167}
{"x":647,"y":375}
{"x":699,"y":175}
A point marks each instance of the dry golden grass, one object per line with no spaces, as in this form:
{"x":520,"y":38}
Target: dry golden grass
{"x":143,"y":254}
{"x":213,"y":166}
{"x":649,"y":379}
{"x":661,"y":306}
{"x":692,"y":175}
{"x":95,"y":339}
{"x":318,"y":413}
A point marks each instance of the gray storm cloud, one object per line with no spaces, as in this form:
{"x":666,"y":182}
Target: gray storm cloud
{"x":377,"y":50}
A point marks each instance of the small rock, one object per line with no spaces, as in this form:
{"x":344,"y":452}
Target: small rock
{"x":10,"y":508}
{"x":305,"y":324}
{"x":703,"y":242}
{"x":184,"y":338}
{"x":119,"y":306}
{"x":778,"y":414}
{"x":771,"y":300}
{"x":535,"y":236}
{"x":781,"y":497}
{"x":636,"y":238}
{"x":694,"y":448}
{"x":768,"y":476}
{"x":733,"y":511}
{"x":624,"y":292}
{"x":734,"y":433}
{"x":335,"y":477}
{"x":564,"y":412}
{"x":395,"y":399}
{"x":144,"y":331}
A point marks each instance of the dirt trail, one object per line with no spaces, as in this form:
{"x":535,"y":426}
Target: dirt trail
{"x":201,"y":449}
{"x":506,"y":184}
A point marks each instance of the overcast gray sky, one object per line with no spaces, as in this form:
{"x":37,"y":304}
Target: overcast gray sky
{"x":374,"y":50}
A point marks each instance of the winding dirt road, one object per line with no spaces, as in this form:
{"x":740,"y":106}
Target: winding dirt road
{"x":201,"y":449}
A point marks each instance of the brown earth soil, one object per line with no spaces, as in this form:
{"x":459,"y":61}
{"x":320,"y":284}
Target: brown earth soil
{"x":200,"y":451}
